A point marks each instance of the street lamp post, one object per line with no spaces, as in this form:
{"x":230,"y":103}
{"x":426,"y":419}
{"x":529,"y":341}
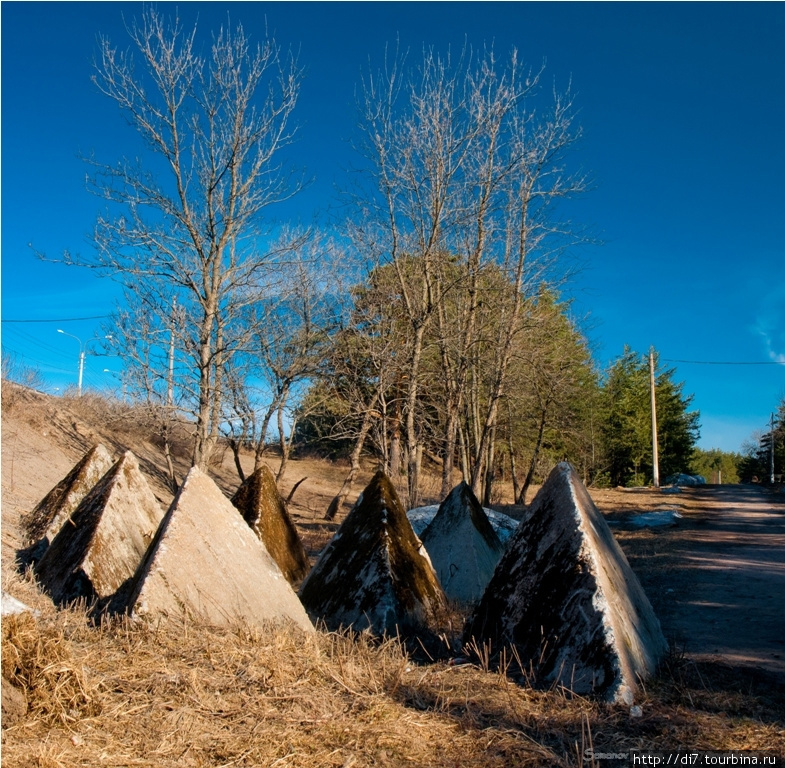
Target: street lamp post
{"x":82,"y":351}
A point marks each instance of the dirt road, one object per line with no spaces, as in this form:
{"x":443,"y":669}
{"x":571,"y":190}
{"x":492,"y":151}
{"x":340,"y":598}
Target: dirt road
{"x":717,"y":579}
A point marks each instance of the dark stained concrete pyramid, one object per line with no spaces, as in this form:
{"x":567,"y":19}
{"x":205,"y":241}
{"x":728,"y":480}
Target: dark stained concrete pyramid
{"x":45,"y":521}
{"x":100,"y":546}
{"x":264,"y":510}
{"x":462,"y":545}
{"x":374,"y":574}
{"x":207,"y":564}
{"x":565,"y":596}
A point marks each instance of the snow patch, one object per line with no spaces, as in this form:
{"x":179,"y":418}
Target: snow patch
{"x":656,"y":519}
{"x":504,"y":525}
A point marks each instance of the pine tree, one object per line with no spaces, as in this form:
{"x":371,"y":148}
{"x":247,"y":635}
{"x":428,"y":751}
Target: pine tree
{"x":626,"y":422}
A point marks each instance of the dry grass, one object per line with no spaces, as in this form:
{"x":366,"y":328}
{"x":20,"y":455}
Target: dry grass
{"x":174,"y":694}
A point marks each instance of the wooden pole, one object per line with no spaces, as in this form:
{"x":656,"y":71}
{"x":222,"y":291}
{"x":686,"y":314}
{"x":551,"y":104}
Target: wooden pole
{"x":654,"y":447}
{"x":771,"y":451}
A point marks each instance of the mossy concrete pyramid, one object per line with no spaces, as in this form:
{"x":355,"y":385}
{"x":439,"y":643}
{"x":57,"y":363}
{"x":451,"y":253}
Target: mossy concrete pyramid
{"x":374,"y":573}
{"x":207,"y":564}
{"x":566,"y":598}
{"x":100,"y":546}
{"x":45,"y":521}
{"x":462,"y":545}
{"x":264,"y":510}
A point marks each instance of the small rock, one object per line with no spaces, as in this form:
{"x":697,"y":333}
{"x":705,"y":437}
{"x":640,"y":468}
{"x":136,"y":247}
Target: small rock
{"x":11,"y":606}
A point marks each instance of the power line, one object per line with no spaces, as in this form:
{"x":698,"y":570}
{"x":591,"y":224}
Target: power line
{"x":723,"y":362}
{"x":60,"y":320}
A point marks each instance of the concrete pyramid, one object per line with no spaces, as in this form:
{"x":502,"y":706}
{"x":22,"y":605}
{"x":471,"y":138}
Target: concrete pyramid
{"x":45,"y":521}
{"x":565,"y":596}
{"x":206,"y":563}
{"x":462,"y":545}
{"x":374,"y":573}
{"x":264,"y":510}
{"x":100,"y":546}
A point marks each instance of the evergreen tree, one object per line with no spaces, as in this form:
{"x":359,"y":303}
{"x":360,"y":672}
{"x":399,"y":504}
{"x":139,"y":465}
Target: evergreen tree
{"x":716,"y":466}
{"x":626,"y":422}
{"x":756,"y":464}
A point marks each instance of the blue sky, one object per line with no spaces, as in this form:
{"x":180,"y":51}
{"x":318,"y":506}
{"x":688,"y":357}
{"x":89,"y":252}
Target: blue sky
{"x":683,"y":111}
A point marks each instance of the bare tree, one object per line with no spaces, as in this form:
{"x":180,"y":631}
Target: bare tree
{"x":365,"y":371}
{"x":290,"y":322}
{"x":533,"y":237}
{"x":148,"y":330}
{"x":416,"y":142}
{"x":292,"y":330}
{"x":464,"y":174}
{"x":189,"y":217}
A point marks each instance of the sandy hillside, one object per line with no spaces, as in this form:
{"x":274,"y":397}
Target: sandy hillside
{"x":195,"y":696}
{"x":43,"y":437}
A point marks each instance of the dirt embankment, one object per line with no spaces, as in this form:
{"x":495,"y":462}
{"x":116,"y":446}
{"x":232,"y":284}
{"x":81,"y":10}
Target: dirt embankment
{"x":189,"y":695}
{"x":716,"y":578}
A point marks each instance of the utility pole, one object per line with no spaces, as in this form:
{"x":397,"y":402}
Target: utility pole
{"x":654,"y":448}
{"x":771,"y":451}
{"x":82,"y":351}
{"x":170,"y":381}
{"x":81,"y":371}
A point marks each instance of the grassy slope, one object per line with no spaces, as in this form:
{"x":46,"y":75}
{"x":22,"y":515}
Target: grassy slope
{"x":194,"y":696}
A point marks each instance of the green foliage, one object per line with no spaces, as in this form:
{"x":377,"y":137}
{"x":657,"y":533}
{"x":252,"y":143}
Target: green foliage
{"x":756,"y":463}
{"x":324,"y":424}
{"x":553,"y":393}
{"x":555,"y":406}
{"x":716,"y":465}
{"x":626,"y":422}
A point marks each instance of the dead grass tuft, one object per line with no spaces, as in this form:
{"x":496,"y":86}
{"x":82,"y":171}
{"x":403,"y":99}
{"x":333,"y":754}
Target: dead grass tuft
{"x":176,"y":694}
{"x":43,"y":665}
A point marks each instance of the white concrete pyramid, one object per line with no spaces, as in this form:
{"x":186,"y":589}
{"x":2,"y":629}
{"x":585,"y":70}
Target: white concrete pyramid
{"x":99,"y":547}
{"x":566,"y":598}
{"x":45,"y":521}
{"x":207,"y":564}
{"x":463,"y":547}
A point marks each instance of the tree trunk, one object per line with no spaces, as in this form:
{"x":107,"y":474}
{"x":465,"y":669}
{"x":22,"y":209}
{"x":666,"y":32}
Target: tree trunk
{"x":412,"y":441}
{"x":235,"y":446}
{"x":395,"y":447}
{"x":286,"y":449}
{"x":346,"y":488}
{"x":201,"y":455}
{"x":464,"y":452}
{"x":450,"y":444}
{"x":535,"y":455}
{"x":168,"y":456}
{"x":217,"y":391}
{"x":516,"y":485}
{"x":261,"y":445}
{"x":281,"y":439}
{"x":491,"y":469}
